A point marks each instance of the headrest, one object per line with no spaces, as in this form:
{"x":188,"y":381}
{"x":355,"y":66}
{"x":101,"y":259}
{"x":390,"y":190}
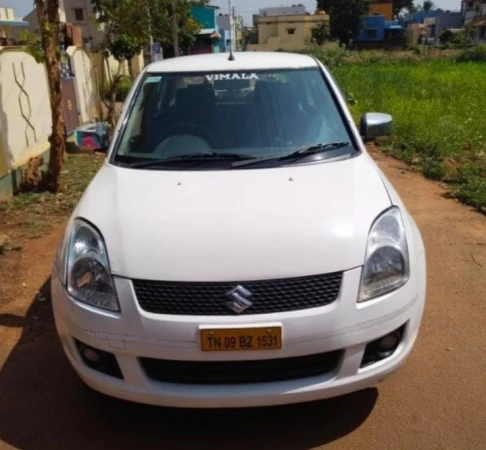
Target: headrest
{"x":274,"y":91}
{"x":196,"y":98}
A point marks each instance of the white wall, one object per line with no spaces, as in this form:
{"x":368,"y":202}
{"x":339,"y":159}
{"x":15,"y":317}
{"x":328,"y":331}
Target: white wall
{"x":25,"y":110}
{"x":25,"y":114}
{"x":86,"y":91}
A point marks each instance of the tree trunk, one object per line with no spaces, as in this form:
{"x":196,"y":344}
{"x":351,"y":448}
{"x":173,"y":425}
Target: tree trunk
{"x":130,"y":69}
{"x":115,"y":83}
{"x":48,"y":16}
{"x":175,"y":32}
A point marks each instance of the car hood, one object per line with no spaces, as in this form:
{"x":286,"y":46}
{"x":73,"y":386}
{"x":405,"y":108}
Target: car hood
{"x":235,"y":225}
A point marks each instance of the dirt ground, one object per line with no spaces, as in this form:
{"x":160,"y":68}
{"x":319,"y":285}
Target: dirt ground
{"x":437,"y":401}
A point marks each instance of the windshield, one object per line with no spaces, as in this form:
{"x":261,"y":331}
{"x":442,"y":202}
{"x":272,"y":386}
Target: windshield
{"x":261,"y":114}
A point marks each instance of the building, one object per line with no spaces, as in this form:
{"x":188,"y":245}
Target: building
{"x":11,"y":27}
{"x":377,"y":28}
{"x":296,"y":10}
{"x":80,"y":14}
{"x":431,"y":24}
{"x":231,"y":31}
{"x":474,"y":15}
{"x":382,"y":8}
{"x":289,"y":33}
{"x":208,"y":40}
{"x":378,"y":32}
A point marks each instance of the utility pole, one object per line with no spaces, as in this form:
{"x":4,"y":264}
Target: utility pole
{"x":234,"y":28}
{"x":175,"y":34}
{"x":230,"y":25}
{"x":231,"y":57}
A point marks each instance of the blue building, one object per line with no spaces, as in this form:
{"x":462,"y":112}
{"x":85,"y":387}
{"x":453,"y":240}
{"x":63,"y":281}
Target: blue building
{"x":208,"y":40}
{"x":419,"y":17}
{"x":225,"y":41}
{"x":378,"y":29}
{"x":436,"y":21}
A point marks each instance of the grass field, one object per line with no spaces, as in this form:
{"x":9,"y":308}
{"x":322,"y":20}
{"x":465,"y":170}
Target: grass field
{"x":439,"y":119}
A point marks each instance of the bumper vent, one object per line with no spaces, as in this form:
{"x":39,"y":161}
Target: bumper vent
{"x":209,"y":299}
{"x":240,"y":372}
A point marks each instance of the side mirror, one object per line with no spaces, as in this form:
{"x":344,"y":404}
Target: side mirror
{"x":375,"y":125}
{"x":103,"y":136}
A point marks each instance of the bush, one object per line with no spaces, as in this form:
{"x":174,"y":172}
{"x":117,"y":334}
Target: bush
{"x":331,"y":57}
{"x":472,"y":192}
{"x":476,"y":53}
{"x":446,"y":36}
{"x":122,"y":91}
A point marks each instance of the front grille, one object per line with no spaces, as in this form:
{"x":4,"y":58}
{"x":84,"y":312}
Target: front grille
{"x":240,"y":372}
{"x":209,"y":299}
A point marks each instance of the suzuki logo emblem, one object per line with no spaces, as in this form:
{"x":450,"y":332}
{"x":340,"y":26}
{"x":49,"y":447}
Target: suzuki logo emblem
{"x":239,"y":299}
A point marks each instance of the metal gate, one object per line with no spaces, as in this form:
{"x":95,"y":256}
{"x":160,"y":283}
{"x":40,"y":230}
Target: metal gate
{"x":69,"y":105}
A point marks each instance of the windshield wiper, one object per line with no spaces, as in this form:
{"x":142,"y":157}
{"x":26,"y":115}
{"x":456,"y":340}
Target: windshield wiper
{"x":201,"y":156}
{"x":300,"y":153}
{"x":315,"y":149}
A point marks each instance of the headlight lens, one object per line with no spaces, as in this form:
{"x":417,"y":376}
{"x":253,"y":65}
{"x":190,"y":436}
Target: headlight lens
{"x":387,"y":265}
{"x":88,"y":271}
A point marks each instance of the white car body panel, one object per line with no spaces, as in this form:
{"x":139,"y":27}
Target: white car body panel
{"x":264,"y":224}
{"x":236,"y":226}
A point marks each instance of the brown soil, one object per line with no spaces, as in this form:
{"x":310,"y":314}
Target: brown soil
{"x":436,"y":401}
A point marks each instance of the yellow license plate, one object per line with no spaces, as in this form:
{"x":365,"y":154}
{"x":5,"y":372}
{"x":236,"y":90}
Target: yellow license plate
{"x":231,"y":340}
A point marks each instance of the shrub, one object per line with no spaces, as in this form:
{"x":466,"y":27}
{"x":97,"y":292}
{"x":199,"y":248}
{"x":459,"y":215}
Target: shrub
{"x":446,"y":36}
{"x":472,"y":192}
{"x":331,"y":57}
{"x":476,"y":53}
{"x":122,"y":91}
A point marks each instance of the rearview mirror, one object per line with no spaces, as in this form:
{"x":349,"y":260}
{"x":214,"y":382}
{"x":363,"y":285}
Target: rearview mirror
{"x":375,"y":125}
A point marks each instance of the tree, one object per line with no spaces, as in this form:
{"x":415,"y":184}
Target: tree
{"x":173,"y":24}
{"x":321,"y":34}
{"x":427,"y":6}
{"x":48,"y":17}
{"x":126,"y":25}
{"x":400,"y":5}
{"x":345,"y":17}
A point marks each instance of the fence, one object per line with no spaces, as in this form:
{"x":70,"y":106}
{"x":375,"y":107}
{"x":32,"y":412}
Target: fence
{"x":25,"y":113}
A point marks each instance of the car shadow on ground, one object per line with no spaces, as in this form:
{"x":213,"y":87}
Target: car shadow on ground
{"x":43,"y":405}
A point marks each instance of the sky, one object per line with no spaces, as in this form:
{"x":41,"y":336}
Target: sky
{"x":244,"y":8}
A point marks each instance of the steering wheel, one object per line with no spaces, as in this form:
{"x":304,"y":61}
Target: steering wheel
{"x":187,"y":128}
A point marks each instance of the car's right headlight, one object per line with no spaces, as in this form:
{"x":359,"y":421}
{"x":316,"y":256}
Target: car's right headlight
{"x":387,"y":265}
{"x":88,"y":276}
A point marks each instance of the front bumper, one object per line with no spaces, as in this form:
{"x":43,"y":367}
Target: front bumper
{"x":343,"y":325}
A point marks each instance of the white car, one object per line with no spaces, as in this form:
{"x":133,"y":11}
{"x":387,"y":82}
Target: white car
{"x":240,"y":253}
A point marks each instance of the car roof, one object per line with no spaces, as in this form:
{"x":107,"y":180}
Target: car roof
{"x":215,"y":62}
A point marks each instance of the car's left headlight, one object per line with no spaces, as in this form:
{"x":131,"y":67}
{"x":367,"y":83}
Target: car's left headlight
{"x":88,"y":277}
{"x":387,"y":265}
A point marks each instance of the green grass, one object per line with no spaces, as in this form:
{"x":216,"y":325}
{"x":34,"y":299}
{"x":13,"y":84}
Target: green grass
{"x":438,"y":110}
{"x":78,"y":171}
{"x":35,"y":224}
